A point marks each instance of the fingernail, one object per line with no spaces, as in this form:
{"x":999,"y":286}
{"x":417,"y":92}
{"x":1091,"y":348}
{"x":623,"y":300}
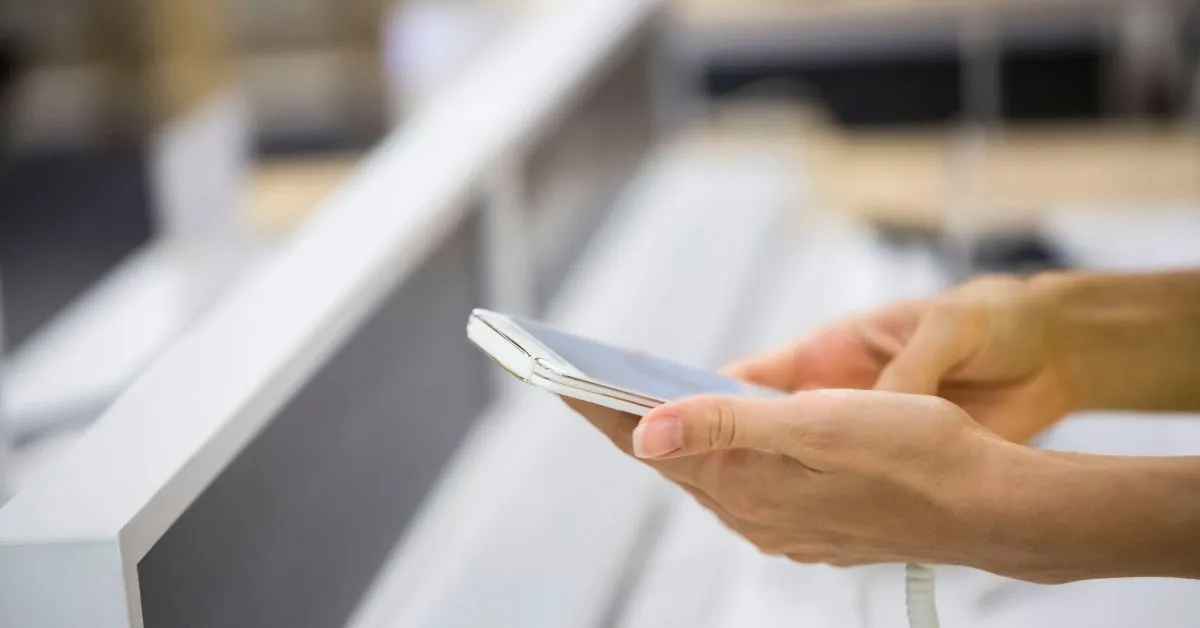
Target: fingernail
{"x":659,"y":437}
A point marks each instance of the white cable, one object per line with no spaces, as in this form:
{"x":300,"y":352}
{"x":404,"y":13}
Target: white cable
{"x":920,"y":596}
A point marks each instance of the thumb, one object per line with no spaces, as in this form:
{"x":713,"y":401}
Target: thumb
{"x":709,"y":423}
{"x":936,"y":347}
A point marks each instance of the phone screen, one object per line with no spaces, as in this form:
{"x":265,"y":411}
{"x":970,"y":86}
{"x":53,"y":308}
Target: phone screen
{"x":639,"y":373}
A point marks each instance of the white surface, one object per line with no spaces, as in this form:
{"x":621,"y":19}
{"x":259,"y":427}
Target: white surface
{"x":166,"y":437}
{"x":69,"y":371}
{"x":1130,"y":238}
{"x":32,"y":459}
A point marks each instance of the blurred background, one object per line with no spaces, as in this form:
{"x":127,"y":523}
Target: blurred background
{"x":775,"y":163}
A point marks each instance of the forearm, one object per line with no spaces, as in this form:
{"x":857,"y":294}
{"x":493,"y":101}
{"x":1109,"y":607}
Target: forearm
{"x":1127,"y":341}
{"x":1067,"y":517}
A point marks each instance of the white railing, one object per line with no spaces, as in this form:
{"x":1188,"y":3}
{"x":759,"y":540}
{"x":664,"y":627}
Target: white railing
{"x":70,"y":543}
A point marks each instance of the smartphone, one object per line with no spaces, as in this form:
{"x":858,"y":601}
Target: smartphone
{"x":592,"y":371}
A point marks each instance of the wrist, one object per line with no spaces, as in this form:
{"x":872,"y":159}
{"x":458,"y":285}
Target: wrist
{"x":1008,"y":537}
{"x":1054,"y":517}
{"x":1124,"y":341}
{"x":1069,"y":332}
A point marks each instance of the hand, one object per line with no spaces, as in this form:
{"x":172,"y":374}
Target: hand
{"x":848,"y":477}
{"x":843,"y":477}
{"x":985,"y":346}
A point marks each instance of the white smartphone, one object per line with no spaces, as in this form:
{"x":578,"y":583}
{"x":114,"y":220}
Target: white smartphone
{"x":592,"y":371}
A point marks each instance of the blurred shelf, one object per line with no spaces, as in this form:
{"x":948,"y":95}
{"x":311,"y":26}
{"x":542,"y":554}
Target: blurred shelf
{"x":1003,"y":180}
{"x":939,"y":61}
{"x":910,"y":178}
{"x":33,"y":460}
{"x":819,"y":11}
{"x":75,"y":365}
{"x":68,"y":372}
{"x":758,"y":27}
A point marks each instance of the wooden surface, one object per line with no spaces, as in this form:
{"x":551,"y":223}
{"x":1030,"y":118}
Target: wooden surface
{"x":1010,"y":178}
{"x":283,"y":191}
{"x":913,"y":177}
{"x":899,"y":177}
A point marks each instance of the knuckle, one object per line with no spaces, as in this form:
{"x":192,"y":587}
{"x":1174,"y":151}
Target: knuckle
{"x":935,"y":406}
{"x":722,"y":429}
{"x":949,"y":423}
{"x":957,"y":314}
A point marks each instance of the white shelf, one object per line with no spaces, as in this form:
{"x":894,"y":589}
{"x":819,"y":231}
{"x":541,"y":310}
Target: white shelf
{"x":85,"y":523}
{"x":70,"y":370}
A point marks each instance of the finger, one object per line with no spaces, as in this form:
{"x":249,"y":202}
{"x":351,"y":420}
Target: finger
{"x":712,"y":423}
{"x":775,"y":368}
{"x":887,"y":329}
{"x":782,"y":368}
{"x":935,"y":348}
{"x":616,"y":425}
{"x":786,"y":368}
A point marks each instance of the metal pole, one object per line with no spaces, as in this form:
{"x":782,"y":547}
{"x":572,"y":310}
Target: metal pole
{"x":5,"y":444}
{"x":979,"y":47}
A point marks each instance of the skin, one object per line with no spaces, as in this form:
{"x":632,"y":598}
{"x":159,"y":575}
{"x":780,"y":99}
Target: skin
{"x":901,"y":442}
